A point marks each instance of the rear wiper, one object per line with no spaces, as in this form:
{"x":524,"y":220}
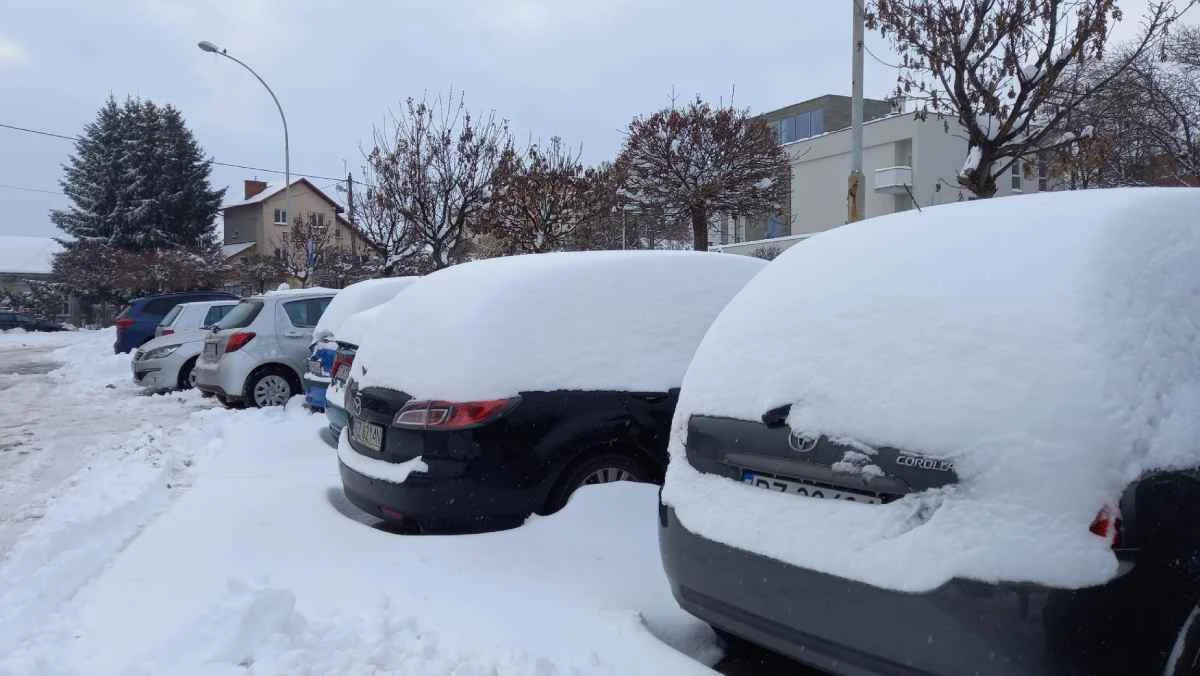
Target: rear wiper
{"x":777,"y":417}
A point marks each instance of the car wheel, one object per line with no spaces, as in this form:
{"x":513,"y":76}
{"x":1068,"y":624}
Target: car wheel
{"x":187,"y":375}
{"x":601,"y":468}
{"x":1184,"y":659}
{"x":270,"y":388}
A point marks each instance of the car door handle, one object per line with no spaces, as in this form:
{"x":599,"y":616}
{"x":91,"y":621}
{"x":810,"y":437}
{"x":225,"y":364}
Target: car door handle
{"x":294,"y":334}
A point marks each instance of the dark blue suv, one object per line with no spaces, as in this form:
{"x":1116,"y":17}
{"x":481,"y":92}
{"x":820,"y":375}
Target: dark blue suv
{"x":135,"y":324}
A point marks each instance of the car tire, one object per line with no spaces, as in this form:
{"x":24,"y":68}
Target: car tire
{"x":187,"y":375}
{"x":597,"y":468}
{"x":270,"y":386}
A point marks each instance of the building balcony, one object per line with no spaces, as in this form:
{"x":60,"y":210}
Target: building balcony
{"x":893,"y":180}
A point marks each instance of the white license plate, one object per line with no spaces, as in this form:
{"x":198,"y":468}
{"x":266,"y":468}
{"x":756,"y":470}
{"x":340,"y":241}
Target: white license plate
{"x":803,"y":488}
{"x":367,"y":434}
{"x":210,"y":351}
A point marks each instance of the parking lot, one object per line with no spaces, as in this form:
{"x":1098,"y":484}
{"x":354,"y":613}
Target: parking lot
{"x":164,"y":534}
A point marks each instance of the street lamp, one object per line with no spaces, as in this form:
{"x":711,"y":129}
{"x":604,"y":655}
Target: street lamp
{"x":207,"y":46}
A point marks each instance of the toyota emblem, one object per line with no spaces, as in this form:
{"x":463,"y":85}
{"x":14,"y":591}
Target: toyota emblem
{"x":801,"y":443}
{"x":356,"y":404}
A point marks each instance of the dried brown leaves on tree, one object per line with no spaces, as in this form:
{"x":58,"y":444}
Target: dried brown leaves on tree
{"x":994,"y":65}
{"x":431,"y":174}
{"x":700,"y":161}
{"x":542,"y":198}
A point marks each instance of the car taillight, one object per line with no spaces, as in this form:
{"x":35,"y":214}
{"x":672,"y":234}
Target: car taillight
{"x":124,"y":323}
{"x":1107,"y":525}
{"x":167,"y":332}
{"x":341,"y":365}
{"x":451,"y":415}
{"x":238,"y":340}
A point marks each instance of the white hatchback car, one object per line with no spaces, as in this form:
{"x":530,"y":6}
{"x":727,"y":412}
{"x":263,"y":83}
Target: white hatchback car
{"x":257,"y":353}
{"x":168,"y":361}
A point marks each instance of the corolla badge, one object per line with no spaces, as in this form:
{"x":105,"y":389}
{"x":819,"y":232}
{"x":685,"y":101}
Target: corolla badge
{"x":801,"y":443}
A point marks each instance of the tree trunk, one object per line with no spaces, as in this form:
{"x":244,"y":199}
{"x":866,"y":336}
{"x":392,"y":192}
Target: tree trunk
{"x":699,"y":216}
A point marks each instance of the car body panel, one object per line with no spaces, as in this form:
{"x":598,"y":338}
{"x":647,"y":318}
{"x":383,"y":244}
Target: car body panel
{"x":194,"y":315}
{"x":146,"y":312}
{"x":162,"y":373}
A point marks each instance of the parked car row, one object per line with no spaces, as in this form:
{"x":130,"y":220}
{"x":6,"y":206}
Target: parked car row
{"x":949,"y":441}
{"x":11,"y":319}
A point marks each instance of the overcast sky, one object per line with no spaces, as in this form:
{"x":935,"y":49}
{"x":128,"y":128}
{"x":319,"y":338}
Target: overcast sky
{"x":579,"y":69}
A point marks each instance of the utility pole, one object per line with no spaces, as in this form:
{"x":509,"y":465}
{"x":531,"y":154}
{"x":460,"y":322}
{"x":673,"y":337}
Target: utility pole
{"x":854,"y":197}
{"x":350,"y":197}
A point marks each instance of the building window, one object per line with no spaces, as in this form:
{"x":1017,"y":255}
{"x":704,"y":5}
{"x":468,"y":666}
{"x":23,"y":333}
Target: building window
{"x":280,"y":217}
{"x":1015,"y":171}
{"x":789,"y":130}
{"x":1043,"y":175}
{"x":818,"y":121}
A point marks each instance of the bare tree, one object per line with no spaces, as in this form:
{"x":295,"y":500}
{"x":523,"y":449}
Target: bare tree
{"x":307,"y":247}
{"x":994,"y":65}
{"x":432,"y":170}
{"x":700,"y":161}
{"x":542,"y":198}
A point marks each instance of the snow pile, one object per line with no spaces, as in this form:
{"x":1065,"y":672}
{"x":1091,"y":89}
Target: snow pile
{"x":569,"y":321}
{"x":27,"y":254}
{"x":356,"y":298}
{"x":356,"y":326}
{"x":1048,"y":345}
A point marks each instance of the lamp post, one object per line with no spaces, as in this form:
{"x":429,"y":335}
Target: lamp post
{"x":287,"y":161}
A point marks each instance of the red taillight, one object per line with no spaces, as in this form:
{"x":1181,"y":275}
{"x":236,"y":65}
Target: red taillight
{"x":1107,"y":524}
{"x":167,"y":332}
{"x":341,"y":366}
{"x":124,"y":323}
{"x":451,"y":415}
{"x":238,"y":340}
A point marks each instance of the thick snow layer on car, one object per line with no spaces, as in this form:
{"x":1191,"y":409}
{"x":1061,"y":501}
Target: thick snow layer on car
{"x":355,"y":328}
{"x":167,"y":535}
{"x":602,"y":320}
{"x":1048,"y":345}
{"x":356,"y":298}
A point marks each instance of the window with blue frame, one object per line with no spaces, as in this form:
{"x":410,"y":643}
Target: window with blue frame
{"x":800,"y":126}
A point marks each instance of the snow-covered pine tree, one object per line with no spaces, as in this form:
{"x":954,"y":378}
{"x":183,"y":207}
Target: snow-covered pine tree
{"x":139,"y":181}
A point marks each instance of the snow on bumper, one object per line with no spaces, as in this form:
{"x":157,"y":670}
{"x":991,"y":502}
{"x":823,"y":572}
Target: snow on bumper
{"x":391,"y":472}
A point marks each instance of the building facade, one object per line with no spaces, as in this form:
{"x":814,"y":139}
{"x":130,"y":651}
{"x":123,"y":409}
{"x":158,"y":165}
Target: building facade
{"x":907,"y":162}
{"x":260,"y":225}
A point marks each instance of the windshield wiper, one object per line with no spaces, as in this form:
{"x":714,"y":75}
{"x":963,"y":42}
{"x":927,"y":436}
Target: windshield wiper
{"x":777,"y":417}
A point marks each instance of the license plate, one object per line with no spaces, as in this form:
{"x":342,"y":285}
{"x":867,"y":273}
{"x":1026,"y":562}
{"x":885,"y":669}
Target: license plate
{"x":804,"y":488}
{"x":367,"y":434}
{"x":210,"y":350}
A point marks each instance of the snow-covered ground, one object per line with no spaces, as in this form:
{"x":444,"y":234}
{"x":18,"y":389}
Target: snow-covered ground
{"x":151,"y":535}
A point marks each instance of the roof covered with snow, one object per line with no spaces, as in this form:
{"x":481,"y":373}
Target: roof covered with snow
{"x":273,"y":189}
{"x":596,"y":320}
{"x":21,"y":254}
{"x":230,"y":250}
{"x":1048,"y":345}
{"x":356,"y":298}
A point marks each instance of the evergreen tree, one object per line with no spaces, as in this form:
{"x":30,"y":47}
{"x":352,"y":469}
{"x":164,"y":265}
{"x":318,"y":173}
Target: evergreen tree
{"x":139,"y":181}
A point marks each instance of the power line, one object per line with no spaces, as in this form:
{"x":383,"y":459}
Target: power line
{"x":28,"y":189}
{"x":868,"y":50}
{"x":42,"y":132}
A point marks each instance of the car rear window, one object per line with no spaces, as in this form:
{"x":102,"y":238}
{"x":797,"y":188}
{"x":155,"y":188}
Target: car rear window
{"x":306,"y":313}
{"x":241,"y":315}
{"x":160,"y":306}
{"x":216,"y":314}
{"x":170,"y":317}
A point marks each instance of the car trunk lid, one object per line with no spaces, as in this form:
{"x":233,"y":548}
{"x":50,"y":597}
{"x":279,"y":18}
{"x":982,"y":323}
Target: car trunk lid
{"x":776,"y":457}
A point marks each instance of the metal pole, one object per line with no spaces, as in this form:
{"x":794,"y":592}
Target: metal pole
{"x":854,"y":192}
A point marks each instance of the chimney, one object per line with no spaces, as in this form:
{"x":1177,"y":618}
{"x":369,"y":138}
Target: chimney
{"x":252,"y":188}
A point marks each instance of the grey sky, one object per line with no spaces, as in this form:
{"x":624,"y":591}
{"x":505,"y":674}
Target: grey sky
{"x":579,"y":69}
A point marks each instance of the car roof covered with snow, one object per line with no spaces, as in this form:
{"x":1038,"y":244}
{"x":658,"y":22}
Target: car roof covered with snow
{"x":597,"y":320}
{"x":1048,"y":345}
{"x":285,"y":294}
{"x":356,"y":298}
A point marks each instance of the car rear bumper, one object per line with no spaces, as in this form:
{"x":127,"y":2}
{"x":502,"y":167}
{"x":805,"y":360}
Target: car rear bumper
{"x":463,"y":503}
{"x":338,"y":418}
{"x":850,"y":628}
{"x":314,"y":391}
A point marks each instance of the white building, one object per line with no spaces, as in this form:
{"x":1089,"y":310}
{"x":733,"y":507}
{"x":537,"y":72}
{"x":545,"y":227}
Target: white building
{"x":907,"y":162}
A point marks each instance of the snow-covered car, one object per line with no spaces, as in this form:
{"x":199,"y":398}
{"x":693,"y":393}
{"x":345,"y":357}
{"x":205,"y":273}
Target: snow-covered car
{"x":193,"y":316}
{"x":491,"y":390}
{"x":957,"y":441}
{"x":348,"y":302}
{"x":168,"y":361}
{"x":351,"y":334}
{"x":256,"y":354}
